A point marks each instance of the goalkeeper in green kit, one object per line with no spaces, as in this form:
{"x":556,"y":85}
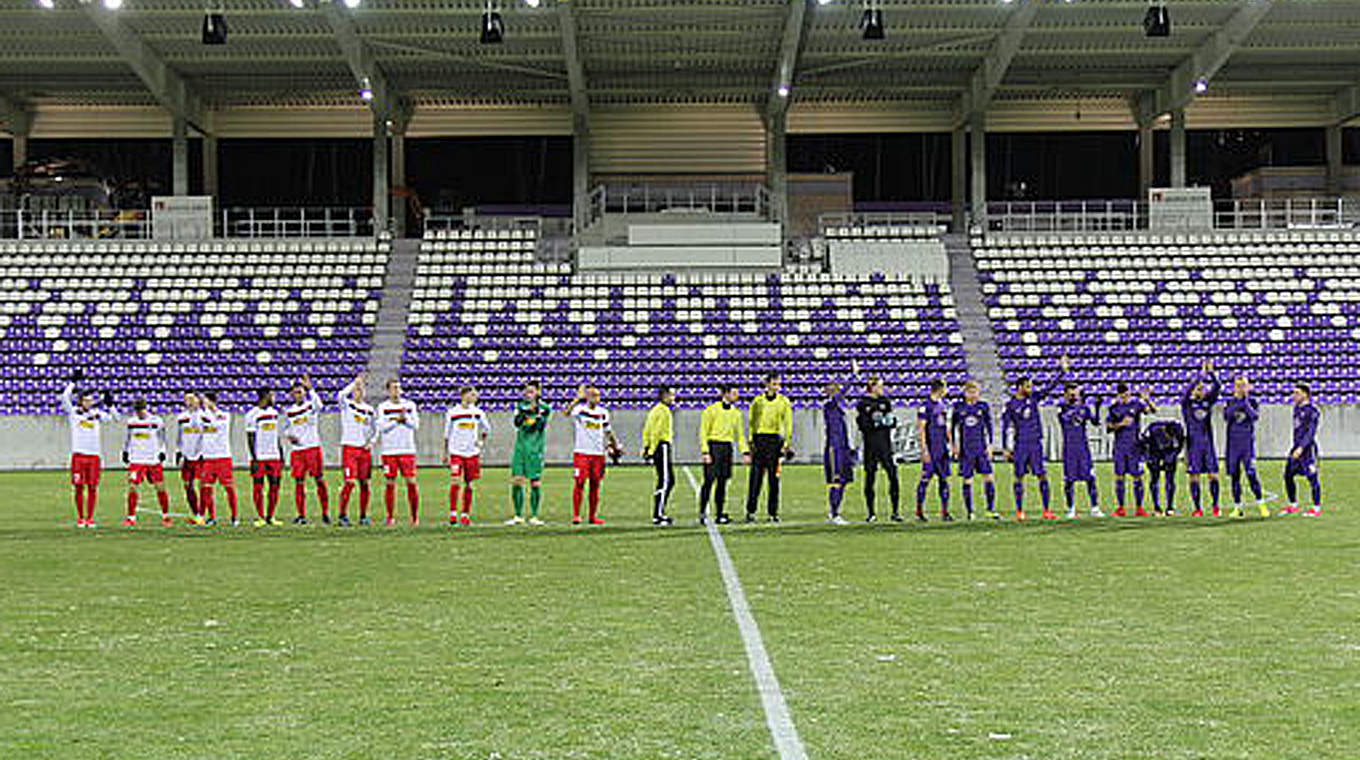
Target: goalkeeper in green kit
{"x":526,"y":464}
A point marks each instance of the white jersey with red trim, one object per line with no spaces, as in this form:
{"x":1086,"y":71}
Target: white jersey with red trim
{"x":265,"y":424}
{"x":463,"y":429}
{"x":592,"y":423}
{"x":302,"y":423}
{"x":216,"y":425}
{"x":145,"y":443}
{"x":85,"y":423}
{"x":357,"y":425}
{"x":398,"y":422}
{"x":190,"y":434}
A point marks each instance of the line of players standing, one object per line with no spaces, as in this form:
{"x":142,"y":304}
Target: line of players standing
{"x":964,"y":435}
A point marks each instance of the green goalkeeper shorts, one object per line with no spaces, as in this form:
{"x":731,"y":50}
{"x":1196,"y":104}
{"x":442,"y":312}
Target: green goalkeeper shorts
{"x":527,"y":462}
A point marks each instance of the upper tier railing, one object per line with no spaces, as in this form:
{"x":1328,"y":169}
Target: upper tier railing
{"x":231,"y":222}
{"x":1130,"y":215}
{"x":697,"y":197}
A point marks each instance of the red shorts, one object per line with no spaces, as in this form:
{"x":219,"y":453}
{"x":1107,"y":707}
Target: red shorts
{"x":189,"y":470}
{"x":399,"y":464}
{"x":467,"y":468}
{"x":151,"y":473}
{"x":85,"y":469}
{"x":266,"y":468}
{"x":358,"y":463}
{"x":212,"y":471}
{"x":306,"y":462}
{"x":588,"y":466}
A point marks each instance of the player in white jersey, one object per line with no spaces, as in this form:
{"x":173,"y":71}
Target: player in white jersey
{"x":85,"y":420}
{"x":216,"y":468}
{"x":357,"y":431}
{"x":466,"y":429}
{"x":398,"y":420}
{"x":263,"y":424}
{"x":594,"y":439}
{"x":302,"y":428}
{"x":189,"y":452}
{"x":144,"y":454}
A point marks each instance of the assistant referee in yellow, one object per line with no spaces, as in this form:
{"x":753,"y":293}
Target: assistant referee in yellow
{"x":658,"y":445}
{"x":771,"y":435}
{"x":721,"y":430}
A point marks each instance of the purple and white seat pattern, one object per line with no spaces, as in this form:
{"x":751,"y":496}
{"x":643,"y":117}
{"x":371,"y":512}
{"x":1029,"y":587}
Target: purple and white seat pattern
{"x":1279,"y":307}
{"x":153,"y":319}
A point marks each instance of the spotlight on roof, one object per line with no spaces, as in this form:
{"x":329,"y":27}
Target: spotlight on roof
{"x":783,"y":91}
{"x":1157,"y":21}
{"x":871,"y":23}
{"x":297,"y":3}
{"x":113,"y":5}
{"x":493,"y":28}
{"x":1201,"y":86}
{"x":366,"y":90}
{"x":823,"y":2}
{"x":352,"y":4}
{"x":48,"y":4}
{"x":533,"y":3}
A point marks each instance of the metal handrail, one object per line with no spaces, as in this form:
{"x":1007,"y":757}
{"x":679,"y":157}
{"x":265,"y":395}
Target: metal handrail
{"x":295,"y":221}
{"x":651,"y":198}
{"x":1132,"y":215}
{"x":47,"y":224}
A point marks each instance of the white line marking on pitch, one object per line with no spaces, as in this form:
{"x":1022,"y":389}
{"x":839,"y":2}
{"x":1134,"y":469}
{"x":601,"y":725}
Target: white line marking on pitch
{"x":777,"y":715}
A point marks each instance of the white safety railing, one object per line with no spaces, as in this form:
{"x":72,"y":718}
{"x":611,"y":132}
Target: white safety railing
{"x":1130,"y":215}
{"x":434,"y":224}
{"x":654,"y":198}
{"x":296,"y":221}
{"x":935,"y":221}
{"x":74,"y":225}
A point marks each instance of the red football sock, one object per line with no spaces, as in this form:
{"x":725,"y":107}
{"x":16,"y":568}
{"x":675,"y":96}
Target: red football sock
{"x":91,"y":499}
{"x":80,"y":502}
{"x":132,"y":504}
{"x":205,"y":502}
{"x":576,"y":495}
{"x":467,"y":499}
{"x":594,"y":499}
{"x":453,"y":497}
{"x":231,"y":500}
{"x":413,"y":500}
{"x":257,"y":493}
{"x":345,"y":491}
{"x":363,"y":499}
{"x":164,"y":499}
{"x":300,"y":499}
{"x":390,"y":499}
{"x":191,"y":497}
{"x":324,"y":496}
{"x":273,"y":498}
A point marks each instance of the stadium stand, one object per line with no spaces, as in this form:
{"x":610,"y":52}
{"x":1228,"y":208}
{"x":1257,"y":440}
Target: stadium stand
{"x":1280,"y":306}
{"x":486,"y":312}
{"x":152,"y":319}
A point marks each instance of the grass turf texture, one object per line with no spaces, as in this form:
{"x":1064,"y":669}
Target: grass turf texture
{"x":1100,"y":639}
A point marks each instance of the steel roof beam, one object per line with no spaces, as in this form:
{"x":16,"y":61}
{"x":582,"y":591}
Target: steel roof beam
{"x":796,"y":23}
{"x":168,"y":86}
{"x":987,"y":77}
{"x":359,"y":58}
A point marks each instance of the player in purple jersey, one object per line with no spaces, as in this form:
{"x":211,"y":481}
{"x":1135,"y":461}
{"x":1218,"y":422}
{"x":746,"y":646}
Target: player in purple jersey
{"x":1026,"y":447}
{"x":1303,"y":453}
{"x":1241,"y":413}
{"x":1124,"y":419}
{"x":932,"y":430}
{"x":971,"y":424}
{"x":1201,"y":456}
{"x":1074,"y":415}
{"x":838,"y":458}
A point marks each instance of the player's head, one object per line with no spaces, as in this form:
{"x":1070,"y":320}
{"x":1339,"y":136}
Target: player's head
{"x":1241,"y":386}
{"x":210,"y":399}
{"x":1024,"y":386}
{"x":730,"y":394}
{"x":298,"y":392}
{"x":971,"y":391}
{"x":665,"y":395}
{"x":831,"y":389}
{"x":360,"y":387}
{"x":264,"y":399}
{"x":85,"y":400}
{"x":191,"y":401}
{"x":394,"y":389}
{"x":1198,"y":391}
{"x":1122,"y":391}
{"x":1302,"y":393}
{"x":938,"y":389}
{"x":139,"y":407}
{"x":772,"y":384}
{"x":592,"y":395}
{"x":468,"y":395}
{"x":874,"y":386}
{"x":1071,"y":392}
{"x":532,"y":390}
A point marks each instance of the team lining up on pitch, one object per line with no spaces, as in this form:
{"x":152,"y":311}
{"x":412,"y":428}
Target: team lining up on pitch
{"x":962,"y":434}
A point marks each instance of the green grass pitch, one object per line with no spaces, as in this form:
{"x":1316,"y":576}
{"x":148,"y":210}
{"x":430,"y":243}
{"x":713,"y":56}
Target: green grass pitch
{"x":1178,"y":638}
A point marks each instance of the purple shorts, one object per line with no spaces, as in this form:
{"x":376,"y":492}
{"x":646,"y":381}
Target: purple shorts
{"x":1305,"y":465}
{"x":1077,"y":465}
{"x":1241,"y":461}
{"x":1200,"y":460}
{"x":976,"y":462}
{"x":1029,"y":461}
{"x":937,"y":466}
{"x":1128,"y":462}
{"x":838,"y":465}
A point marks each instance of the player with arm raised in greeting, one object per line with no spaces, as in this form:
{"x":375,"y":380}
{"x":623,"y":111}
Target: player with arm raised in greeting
{"x":189,"y":452}
{"x":466,"y":429}
{"x":216,"y":423}
{"x":302,"y":428}
{"x":1022,"y":432}
{"x":357,"y":431}
{"x":1074,"y":415}
{"x":144,"y":454}
{"x":838,"y":457}
{"x":398,"y":421}
{"x":1241,"y":413}
{"x":262,"y":424}
{"x":86,"y":420}
{"x":932,"y":430}
{"x":1124,"y":419}
{"x":1201,"y":456}
{"x":593,"y":440}
{"x":1303,"y":453}
{"x":971,"y":423}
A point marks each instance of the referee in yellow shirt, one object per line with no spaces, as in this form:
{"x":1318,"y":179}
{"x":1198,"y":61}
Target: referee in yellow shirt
{"x":771,"y":433}
{"x":720,"y":431}
{"x":658,"y":438}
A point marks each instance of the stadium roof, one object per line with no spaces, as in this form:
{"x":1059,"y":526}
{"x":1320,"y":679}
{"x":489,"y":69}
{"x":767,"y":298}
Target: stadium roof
{"x":426,"y":53}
